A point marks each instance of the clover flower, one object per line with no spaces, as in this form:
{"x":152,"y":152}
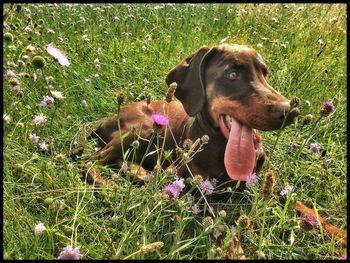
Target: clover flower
{"x":252,"y":180}
{"x":70,"y":253}
{"x":47,"y":102}
{"x":39,"y":119}
{"x":160,"y":119}
{"x":327,"y":108}
{"x":39,"y":229}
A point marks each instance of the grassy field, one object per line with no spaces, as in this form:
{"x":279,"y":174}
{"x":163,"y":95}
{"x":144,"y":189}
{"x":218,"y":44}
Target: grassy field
{"x":131,"y":48}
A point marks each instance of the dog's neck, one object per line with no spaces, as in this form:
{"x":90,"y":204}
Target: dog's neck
{"x":204,"y":123}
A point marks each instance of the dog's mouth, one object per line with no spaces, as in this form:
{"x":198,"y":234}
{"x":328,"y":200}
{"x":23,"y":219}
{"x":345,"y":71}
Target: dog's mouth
{"x":240,"y":149}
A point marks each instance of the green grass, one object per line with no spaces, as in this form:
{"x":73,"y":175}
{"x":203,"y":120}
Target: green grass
{"x":169,"y":34}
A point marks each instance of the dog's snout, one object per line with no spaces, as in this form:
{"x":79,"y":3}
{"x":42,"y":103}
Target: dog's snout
{"x":279,"y":110}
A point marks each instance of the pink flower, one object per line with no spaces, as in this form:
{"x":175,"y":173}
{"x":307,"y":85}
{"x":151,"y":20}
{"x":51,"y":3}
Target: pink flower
{"x":160,"y":119}
{"x":172,"y":190}
{"x":10,"y":74}
{"x":70,"y":253}
{"x":311,"y":219}
{"x":16,"y":89}
{"x":39,"y":119}
{"x":343,"y":257}
{"x":58,"y":54}
{"x":314,"y":148}
{"x":34,"y":138}
{"x":47,"y":102}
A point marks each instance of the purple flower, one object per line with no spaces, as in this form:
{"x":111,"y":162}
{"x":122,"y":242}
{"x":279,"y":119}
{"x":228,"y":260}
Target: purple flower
{"x":343,"y":257}
{"x":34,"y":138}
{"x":47,"y":101}
{"x":16,"y":89}
{"x":311,"y":219}
{"x":195,"y":209}
{"x":206,"y":187}
{"x":179,"y":183}
{"x":160,"y":119}
{"x":172,"y":190}
{"x":70,"y":253}
{"x":314,"y":148}
{"x":328,"y":105}
{"x":39,"y":119}
{"x":252,"y":180}
{"x":286,"y":191}
{"x":10,"y":74}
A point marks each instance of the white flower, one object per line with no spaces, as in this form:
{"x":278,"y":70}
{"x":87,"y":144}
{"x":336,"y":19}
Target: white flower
{"x":50,"y":31}
{"x":116,"y":18}
{"x":99,"y":51}
{"x":284,"y":45}
{"x":85,"y":38}
{"x":259,"y":45}
{"x":124,"y":60}
{"x":43,"y":146}
{"x":274,"y":20}
{"x":39,"y":229}
{"x":275,"y":42}
{"x":97,"y":62}
{"x":28,"y":29}
{"x":39,"y":119}
{"x":84,"y":103}
{"x":57,"y":94}
{"x":33,"y":138}
{"x":58,"y":54}
{"x":143,"y":47}
{"x":10,"y":74}
{"x":286,"y":191}
{"x":320,"y":41}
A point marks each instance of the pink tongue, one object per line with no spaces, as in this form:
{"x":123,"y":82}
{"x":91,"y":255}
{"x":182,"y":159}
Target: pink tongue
{"x":239,"y":153}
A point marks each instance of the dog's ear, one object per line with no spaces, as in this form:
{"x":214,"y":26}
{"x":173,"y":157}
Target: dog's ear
{"x":189,"y":76}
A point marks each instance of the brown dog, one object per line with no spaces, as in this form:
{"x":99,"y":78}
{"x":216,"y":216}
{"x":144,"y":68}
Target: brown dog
{"x":224,"y":94}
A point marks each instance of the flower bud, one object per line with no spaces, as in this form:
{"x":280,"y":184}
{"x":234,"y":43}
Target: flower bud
{"x":38,"y":62}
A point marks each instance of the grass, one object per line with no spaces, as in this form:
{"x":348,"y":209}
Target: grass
{"x":308,"y":61}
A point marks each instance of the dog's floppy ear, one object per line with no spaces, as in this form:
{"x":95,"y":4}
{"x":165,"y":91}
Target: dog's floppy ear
{"x":189,"y":76}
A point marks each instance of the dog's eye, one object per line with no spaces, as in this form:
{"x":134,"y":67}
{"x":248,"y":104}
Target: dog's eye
{"x":232,"y":75}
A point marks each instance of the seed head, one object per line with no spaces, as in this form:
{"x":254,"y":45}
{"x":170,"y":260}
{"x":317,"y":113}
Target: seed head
{"x":198,"y":179}
{"x":8,"y":37}
{"x":205,"y":139}
{"x":269,"y":184}
{"x":294,"y":102}
{"x":243,"y":221}
{"x":38,"y":62}
{"x":121,"y":97}
{"x":187,"y":144}
{"x":135,"y":144}
{"x":151,"y":247}
{"x":207,"y":221}
{"x":171,"y":91}
{"x":307,"y":119}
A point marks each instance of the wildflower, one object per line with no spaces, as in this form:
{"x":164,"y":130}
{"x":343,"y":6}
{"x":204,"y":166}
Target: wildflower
{"x":284,"y":45}
{"x":151,"y":247}
{"x":124,"y":167}
{"x":222,"y":213}
{"x":8,"y":37}
{"x":99,"y":51}
{"x":314,"y":148}
{"x":28,"y":29}
{"x":16,"y":89}
{"x":47,"y":101}
{"x":43,"y":146}
{"x":84,"y":103}
{"x":195,"y":209}
{"x":160,"y":119}
{"x":179,"y":183}
{"x":60,"y":39}
{"x":10,"y":74}
{"x":38,"y":62}
{"x":275,"y":42}
{"x":39,"y":119}
{"x":320,"y":41}
{"x":198,"y":179}
{"x":259,"y":45}
{"x":116,"y":18}
{"x":308,"y":103}
{"x":34,"y":77}
{"x":274,"y":20}
{"x":206,"y":187}
{"x":205,"y":139}
{"x":217,"y":234}
{"x":307,"y":119}
{"x":171,"y":190}
{"x":327,"y":108}
{"x":243,"y":221}
{"x":57,"y":54}
{"x":97,"y":63}
{"x":269,"y":185}
{"x":343,"y":257}
{"x":143,"y":47}
{"x":70,"y":253}
{"x":187,"y":144}
{"x":7,"y":118}
{"x":57,"y":94}
{"x":252,"y":180}
{"x":30,"y":48}
{"x":50,"y":31}
{"x":124,"y":60}
{"x":311,"y":219}
{"x":39,"y":229}
{"x":171,"y":91}
{"x":34,"y":138}
{"x":286,"y":191}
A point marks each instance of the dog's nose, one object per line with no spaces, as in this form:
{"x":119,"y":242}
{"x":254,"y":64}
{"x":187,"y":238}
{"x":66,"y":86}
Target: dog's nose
{"x":279,"y":110}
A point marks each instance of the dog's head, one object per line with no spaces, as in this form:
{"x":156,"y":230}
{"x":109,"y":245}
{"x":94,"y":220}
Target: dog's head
{"x":228,"y":83}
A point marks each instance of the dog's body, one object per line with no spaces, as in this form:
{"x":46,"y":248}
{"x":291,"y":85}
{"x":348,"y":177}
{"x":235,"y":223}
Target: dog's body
{"x":223,"y":94}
